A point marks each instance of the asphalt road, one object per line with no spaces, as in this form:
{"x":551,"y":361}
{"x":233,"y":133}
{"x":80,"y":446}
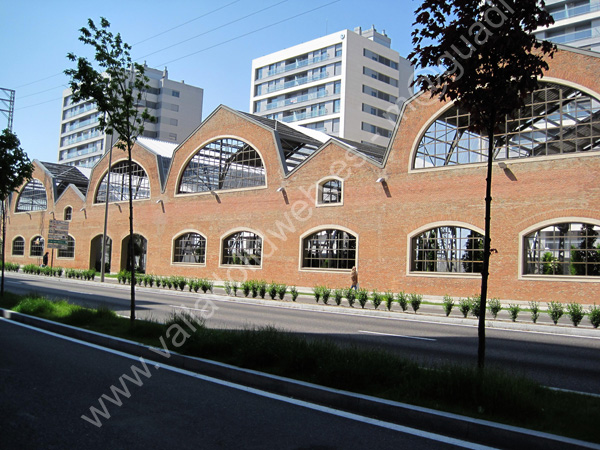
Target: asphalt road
{"x":566,"y":362}
{"x":48,"y":383}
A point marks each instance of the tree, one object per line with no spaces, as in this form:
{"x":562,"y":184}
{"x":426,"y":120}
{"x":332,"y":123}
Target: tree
{"x":117,"y":90}
{"x":15,"y":168}
{"x":491,"y":63}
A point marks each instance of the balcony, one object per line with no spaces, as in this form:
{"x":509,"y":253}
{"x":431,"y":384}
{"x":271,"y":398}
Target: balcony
{"x":297,"y":65}
{"x":298,"y":82}
{"x":298,"y":100}
{"x":305,"y":115}
{"x":573,"y":12}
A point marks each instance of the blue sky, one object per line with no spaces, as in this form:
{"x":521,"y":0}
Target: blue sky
{"x":216,"y":55}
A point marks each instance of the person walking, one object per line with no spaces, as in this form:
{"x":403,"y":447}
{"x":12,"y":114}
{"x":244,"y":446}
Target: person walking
{"x":354,"y":278}
{"x":45,"y":260}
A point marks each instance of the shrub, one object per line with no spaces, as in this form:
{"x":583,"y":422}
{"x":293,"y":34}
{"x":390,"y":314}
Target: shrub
{"x":325,"y":293}
{"x":535,"y":311}
{"x":281,"y":290}
{"x":494,"y":306}
{"x":272,"y":290}
{"x":476,"y":305}
{"x":181,"y":282}
{"x":246,"y":287}
{"x":195,"y":285}
{"x":362,"y":296}
{"x":338,"y":294}
{"x":317,"y":293}
{"x":594,"y":316}
{"x":402,"y":300}
{"x":376,"y":298}
{"x":254,"y":288}
{"x":350,"y":295}
{"x":415,"y":301}
{"x":234,"y":286}
{"x":388,"y":298}
{"x":262,"y":288}
{"x":11,"y":267}
{"x":464,"y":306}
{"x":206,"y":285}
{"x":555,"y":311}
{"x":575,"y":313}
{"x":447,"y":304}
{"x":513,"y":311}
{"x":227,"y":286}
{"x":294,"y":293}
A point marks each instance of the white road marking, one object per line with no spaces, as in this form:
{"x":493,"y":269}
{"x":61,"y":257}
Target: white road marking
{"x":397,"y":335}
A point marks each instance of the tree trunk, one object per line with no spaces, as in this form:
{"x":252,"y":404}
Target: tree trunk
{"x":3,"y":246}
{"x":131,"y":240}
{"x":486,"y":250}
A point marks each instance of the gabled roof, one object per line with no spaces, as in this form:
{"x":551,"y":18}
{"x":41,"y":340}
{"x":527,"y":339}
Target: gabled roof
{"x":63,"y":175}
{"x":164,"y":155}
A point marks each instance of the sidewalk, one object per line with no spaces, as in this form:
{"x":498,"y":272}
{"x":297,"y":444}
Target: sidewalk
{"x":431,"y":309}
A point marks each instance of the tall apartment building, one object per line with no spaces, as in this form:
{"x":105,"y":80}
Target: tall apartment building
{"x":349,"y":84}
{"x":577,"y":23}
{"x":176,"y":106}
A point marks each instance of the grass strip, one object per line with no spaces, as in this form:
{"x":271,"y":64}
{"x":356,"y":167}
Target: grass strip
{"x":494,"y":395}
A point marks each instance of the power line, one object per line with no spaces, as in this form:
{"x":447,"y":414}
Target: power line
{"x":213,"y":29}
{"x":249,"y":33}
{"x":185,"y":23}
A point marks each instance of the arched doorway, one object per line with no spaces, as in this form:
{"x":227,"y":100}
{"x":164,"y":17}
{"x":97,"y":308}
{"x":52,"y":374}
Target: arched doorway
{"x":140,"y":246}
{"x":96,"y":254}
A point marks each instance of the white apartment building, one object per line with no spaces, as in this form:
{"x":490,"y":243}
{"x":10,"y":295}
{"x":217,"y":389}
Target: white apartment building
{"x":176,"y":106}
{"x":577,"y":23}
{"x":349,"y":84}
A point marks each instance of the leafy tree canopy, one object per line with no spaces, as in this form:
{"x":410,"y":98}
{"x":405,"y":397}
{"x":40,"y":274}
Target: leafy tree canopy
{"x":489,"y":57}
{"x":117,"y":87}
{"x":15,"y":166}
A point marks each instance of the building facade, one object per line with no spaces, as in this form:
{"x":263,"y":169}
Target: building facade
{"x":347,"y":84}
{"x":176,"y":106}
{"x":245,"y":197}
{"x":577,"y":23}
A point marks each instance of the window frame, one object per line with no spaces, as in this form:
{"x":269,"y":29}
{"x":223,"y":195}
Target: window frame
{"x":36,"y":190}
{"x":430,"y":226}
{"x":68,"y":213}
{"x":322,"y":228}
{"x":522,"y":251}
{"x":222,"y":248}
{"x":101,"y":190}
{"x":173,"y":249}
{"x":319,"y":192}
{"x":70,"y":249}
{"x":31,"y":244}
{"x":12,"y":250}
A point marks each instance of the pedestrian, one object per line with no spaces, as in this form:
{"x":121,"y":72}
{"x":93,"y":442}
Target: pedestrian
{"x":354,"y":278}
{"x":45,"y":260}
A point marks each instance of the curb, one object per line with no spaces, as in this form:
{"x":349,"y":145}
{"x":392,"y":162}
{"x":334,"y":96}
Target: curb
{"x":447,"y":424}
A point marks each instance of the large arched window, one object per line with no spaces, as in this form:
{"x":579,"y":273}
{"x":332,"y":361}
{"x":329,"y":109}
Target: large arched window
{"x":37,"y":246}
{"x":190,"y":248}
{"x":32,"y":197}
{"x":329,"y":249}
{"x":68,"y":252}
{"x":447,"y":249}
{"x":18,"y":246}
{"x":563,"y":249}
{"x":119,"y":183}
{"x":556,"y":119}
{"x":242,"y":248}
{"x":223,"y":164}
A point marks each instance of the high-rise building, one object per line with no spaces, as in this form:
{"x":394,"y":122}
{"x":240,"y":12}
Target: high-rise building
{"x":577,"y":23}
{"x":349,"y":84}
{"x":176,"y":106}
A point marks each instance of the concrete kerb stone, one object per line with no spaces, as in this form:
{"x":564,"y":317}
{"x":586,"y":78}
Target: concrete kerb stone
{"x":446,"y":424}
{"x":306,"y":302}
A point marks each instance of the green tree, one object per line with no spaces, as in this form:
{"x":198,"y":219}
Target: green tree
{"x":117,"y":87}
{"x":15,"y":168}
{"x":491,"y":62}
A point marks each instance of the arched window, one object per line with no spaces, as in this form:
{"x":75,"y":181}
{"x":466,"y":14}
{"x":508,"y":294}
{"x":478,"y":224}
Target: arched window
{"x":68,"y":213}
{"x":190,"y":248}
{"x":329,"y":249}
{"x":37,"y":246}
{"x":556,"y":119}
{"x":32,"y":197}
{"x":18,"y":246}
{"x":68,"y":252}
{"x":330,"y":192}
{"x":563,"y":249}
{"x":447,"y":249}
{"x":242,"y":248}
{"x":223,"y":164}
{"x":119,"y":183}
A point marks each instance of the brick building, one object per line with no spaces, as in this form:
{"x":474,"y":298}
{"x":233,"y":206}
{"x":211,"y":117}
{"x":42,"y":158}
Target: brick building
{"x":246,"y":196}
